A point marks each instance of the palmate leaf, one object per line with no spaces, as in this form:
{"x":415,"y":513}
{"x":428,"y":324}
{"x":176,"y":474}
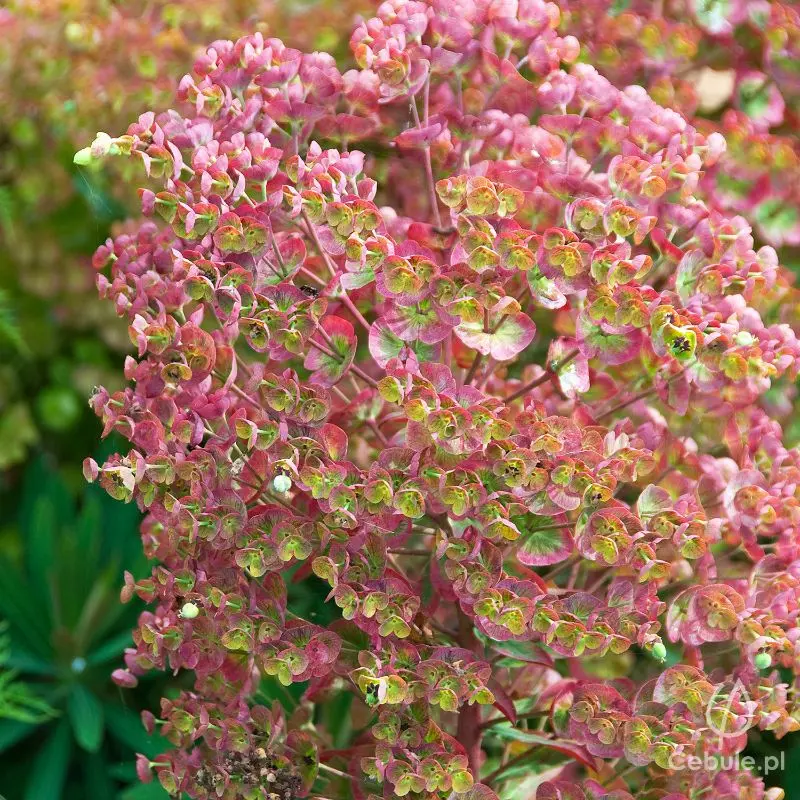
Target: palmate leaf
{"x":540,"y":543}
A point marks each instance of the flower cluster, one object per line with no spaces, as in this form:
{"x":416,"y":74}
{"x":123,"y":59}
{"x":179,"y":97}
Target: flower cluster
{"x":67,"y":67}
{"x":715,"y":58}
{"x":455,"y":333}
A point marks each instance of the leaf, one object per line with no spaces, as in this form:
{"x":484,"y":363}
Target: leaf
{"x":125,"y":726}
{"x":39,"y":544}
{"x":25,"y":615}
{"x":525,"y":651}
{"x":96,"y":780}
{"x":338,"y":719}
{"x":610,"y":344}
{"x":541,"y":546}
{"x":86,"y":716}
{"x":421,"y":322}
{"x":334,"y":439}
{"x":577,"y":752}
{"x":480,"y":791}
{"x":653,"y":500}
{"x":49,"y":768}
{"x":10,"y":333}
{"x":687,"y":274}
{"x":110,"y":650}
{"x":544,"y":290}
{"x":341,"y":340}
{"x":502,"y":702}
{"x":505,"y":336}
{"x":385,"y":345}
{"x":12,"y":731}
{"x":145,"y":791}
{"x":18,"y":701}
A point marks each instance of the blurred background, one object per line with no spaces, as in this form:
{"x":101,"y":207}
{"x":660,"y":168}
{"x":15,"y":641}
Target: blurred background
{"x":70,"y":68}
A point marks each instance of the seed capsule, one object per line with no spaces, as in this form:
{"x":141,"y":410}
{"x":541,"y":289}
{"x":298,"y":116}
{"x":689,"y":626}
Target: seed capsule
{"x":281,"y":483}
{"x":189,"y":611}
{"x":763,"y":660}
{"x":659,"y":651}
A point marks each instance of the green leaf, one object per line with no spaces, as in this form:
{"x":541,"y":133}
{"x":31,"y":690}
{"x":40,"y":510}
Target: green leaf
{"x":96,"y":780}
{"x":337,"y":718}
{"x":18,"y":701}
{"x":39,"y":549}
{"x":144,"y":791}
{"x":110,"y":650}
{"x":23,"y":611}
{"x":20,"y":659}
{"x":125,"y":726}
{"x":86,"y":716}
{"x":10,"y":333}
{"x":49,"y":769}
{"x":12,"y":731}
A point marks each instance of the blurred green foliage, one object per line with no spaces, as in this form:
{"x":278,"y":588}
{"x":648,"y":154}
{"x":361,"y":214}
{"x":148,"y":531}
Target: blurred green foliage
{"x":56,"y":339}
{"x":66,"y":731}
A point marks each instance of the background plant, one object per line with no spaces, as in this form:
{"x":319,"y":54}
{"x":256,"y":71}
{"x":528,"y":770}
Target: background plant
{"x":63,"y":631}
{"x":460,"y":333}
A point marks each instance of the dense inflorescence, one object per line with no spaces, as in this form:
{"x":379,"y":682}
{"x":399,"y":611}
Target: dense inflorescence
{"x":732,"y":66}
{"x":455,"y":332}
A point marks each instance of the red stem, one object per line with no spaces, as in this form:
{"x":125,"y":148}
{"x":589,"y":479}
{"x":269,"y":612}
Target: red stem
{"x":469,"y":732}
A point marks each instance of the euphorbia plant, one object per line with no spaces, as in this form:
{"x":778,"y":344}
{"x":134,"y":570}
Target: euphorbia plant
{"x":453,"y":332}
{"x":729,"y":64}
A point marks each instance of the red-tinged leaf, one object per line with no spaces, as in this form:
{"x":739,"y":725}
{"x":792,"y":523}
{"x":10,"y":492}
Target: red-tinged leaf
{"x":523,"y":572}
{"x":540,"y":544}
{"x":480,"y":791}
{"x":506,"y":335}
{"x":345,"y":126}
{"x":422,"y":322}
{"x":559,"y":790}
{"x":293,"y":253}
{"x":334,"y":439}
{"x":308,"y":763}
{"x":419,"y":137}
{"x":328,"y":368}
{"x":502,"y":702}
{"x":575,"y":751}
{"x":665,"y":246}
{"x":303,"y":572}
{"x":610,"y":344}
